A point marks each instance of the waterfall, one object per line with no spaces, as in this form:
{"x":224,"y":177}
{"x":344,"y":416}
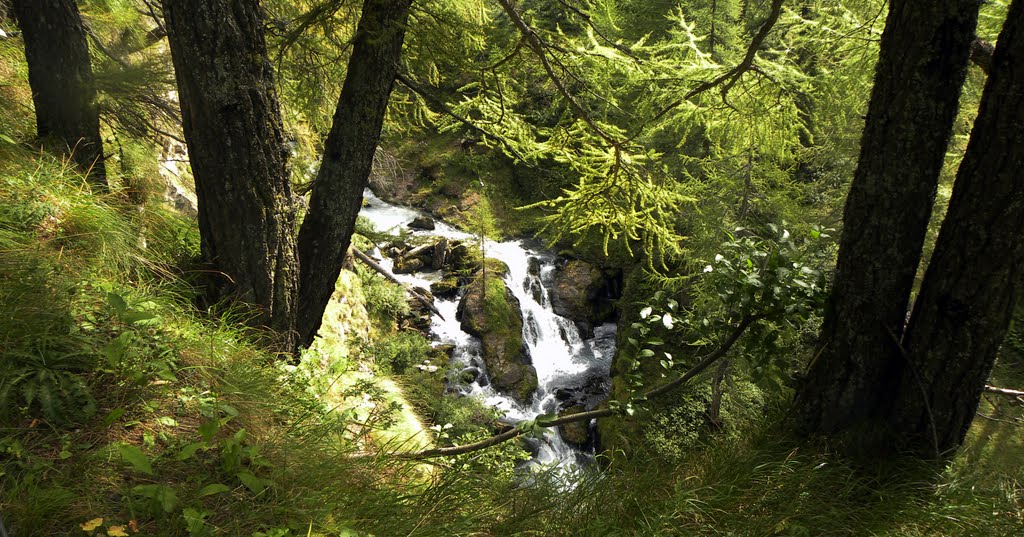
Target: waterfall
{"x":562,"y":357}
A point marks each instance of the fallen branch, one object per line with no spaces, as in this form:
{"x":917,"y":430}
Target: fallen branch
{"x":1004,"y":391}
{"x":592,"y":414}
{"x":384,"y":272}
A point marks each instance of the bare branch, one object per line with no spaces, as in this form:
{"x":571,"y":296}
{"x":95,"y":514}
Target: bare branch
{"x":1004,"y":391}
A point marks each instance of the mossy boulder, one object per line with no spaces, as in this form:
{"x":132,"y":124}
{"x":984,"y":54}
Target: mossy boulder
{"x":584,"y":294}
{"x":491,"y":312}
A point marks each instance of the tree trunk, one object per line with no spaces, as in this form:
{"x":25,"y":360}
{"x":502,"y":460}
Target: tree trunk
{"x":348,"y":156}
{"x":921,"y":68}
{"x":237,"y":150}
{"x":60,"y":73}
{"x":974,"y":278}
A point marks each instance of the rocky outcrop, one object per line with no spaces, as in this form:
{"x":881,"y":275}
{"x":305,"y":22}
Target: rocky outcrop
{"x":494,"y":317}
{"x":584,"y":294}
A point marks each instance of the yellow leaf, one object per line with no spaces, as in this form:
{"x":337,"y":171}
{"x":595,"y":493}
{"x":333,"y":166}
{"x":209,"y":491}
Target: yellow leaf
{"x":92,"y":524}
{"x":116,"y":531}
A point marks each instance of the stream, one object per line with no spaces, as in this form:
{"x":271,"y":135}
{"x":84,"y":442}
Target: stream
{"x":564,"y":360}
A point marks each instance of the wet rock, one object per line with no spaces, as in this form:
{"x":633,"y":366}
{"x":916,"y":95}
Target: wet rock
{"x":422,"y":222}
{"x":442,"y":252}
{"x":446,"y":288}
{"x":588,"y":394}
{"x":459,"y":257}
{"x":444,"y":352}
{"x":469,"y":375}
{"x":583,"y":294}
{"x":494,"y":316}
{"x":576,"y":433}
{"x":404,"y":265}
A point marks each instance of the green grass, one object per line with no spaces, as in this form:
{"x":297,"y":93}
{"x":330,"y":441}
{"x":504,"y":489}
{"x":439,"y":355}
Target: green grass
{"x":119,"y":400}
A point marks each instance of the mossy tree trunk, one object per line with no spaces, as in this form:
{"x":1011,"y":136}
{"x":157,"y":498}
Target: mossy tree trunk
{"x":237,"y":150}
{"x":921,"y":68}
{"x":348,"y":156}
{"x":60,"y":74}
{"x":974,"y":278}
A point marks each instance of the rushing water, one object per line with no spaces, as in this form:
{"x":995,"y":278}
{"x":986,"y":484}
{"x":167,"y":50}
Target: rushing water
{"x":562,"y":357}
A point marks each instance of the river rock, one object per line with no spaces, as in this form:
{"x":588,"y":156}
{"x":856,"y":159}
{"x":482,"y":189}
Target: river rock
{"x":440,"y":255}
{"x":408,"y":265}
{"x":419,"y":316}
{"x":587,"y":394}
{"x":459,"y":257}
{"x":422,"y":222}
{"x":446,"y":288}
{"x":495,"y":318}
{"x":576,"y":433}
{"x":582,"y":294}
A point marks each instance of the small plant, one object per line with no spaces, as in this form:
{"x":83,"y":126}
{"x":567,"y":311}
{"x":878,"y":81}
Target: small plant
{"x":45,"y":378}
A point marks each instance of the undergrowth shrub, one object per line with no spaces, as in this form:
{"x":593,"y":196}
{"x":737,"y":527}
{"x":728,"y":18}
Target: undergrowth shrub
{"x":397,"y":353}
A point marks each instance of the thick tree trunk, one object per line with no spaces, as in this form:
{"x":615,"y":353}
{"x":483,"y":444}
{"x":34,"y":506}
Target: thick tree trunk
{"x":348,"y":156}
{"x":974,"y":277}
{"x":921,"y":68}
{"x":60,"y":73}
{"x":238,"y":154}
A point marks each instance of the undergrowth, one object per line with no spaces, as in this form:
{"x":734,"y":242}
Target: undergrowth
{"x":126,"y":411}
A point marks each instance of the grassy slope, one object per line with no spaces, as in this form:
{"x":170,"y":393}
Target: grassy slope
{"x":143,"y":412}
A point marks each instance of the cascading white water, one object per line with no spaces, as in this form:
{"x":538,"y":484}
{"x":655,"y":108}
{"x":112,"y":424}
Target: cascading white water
{"x":563,"y":359}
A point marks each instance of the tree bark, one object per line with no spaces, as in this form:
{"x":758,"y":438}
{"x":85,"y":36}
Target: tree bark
{"x":348,"y":156}
{"x":60,"y":74}
{"x":921,"y":68}
{"x":974,"y":278}
{"x":238,"y":154}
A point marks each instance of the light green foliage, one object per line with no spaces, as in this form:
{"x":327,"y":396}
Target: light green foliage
{"x":397,"y":353}
{"x":385,"y":301}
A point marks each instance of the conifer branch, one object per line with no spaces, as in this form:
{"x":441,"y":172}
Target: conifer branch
{"x":728,"y":79}
{"x":617,"y":46}
{"x":538,"y":46}
{"x":504,"y":436}
{"x":406,"y":81}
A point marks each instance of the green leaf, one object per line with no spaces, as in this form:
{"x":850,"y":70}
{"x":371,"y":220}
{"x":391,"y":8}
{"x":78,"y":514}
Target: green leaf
{"x":188,"y":451}
{"x":117,"y":302}
{"x":136,"y":458}
{"x":8,"y":139}
{"x":256,"y":484}
{"x":208,"y":429}
{"x":112,"y":417}
{"x":210,"y":490}
{"x":162,"y":495}
{"x":646,"y":353}
{"x":195,"y":519}
{"x":136,"y":316}
{"x":167,"y":420}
